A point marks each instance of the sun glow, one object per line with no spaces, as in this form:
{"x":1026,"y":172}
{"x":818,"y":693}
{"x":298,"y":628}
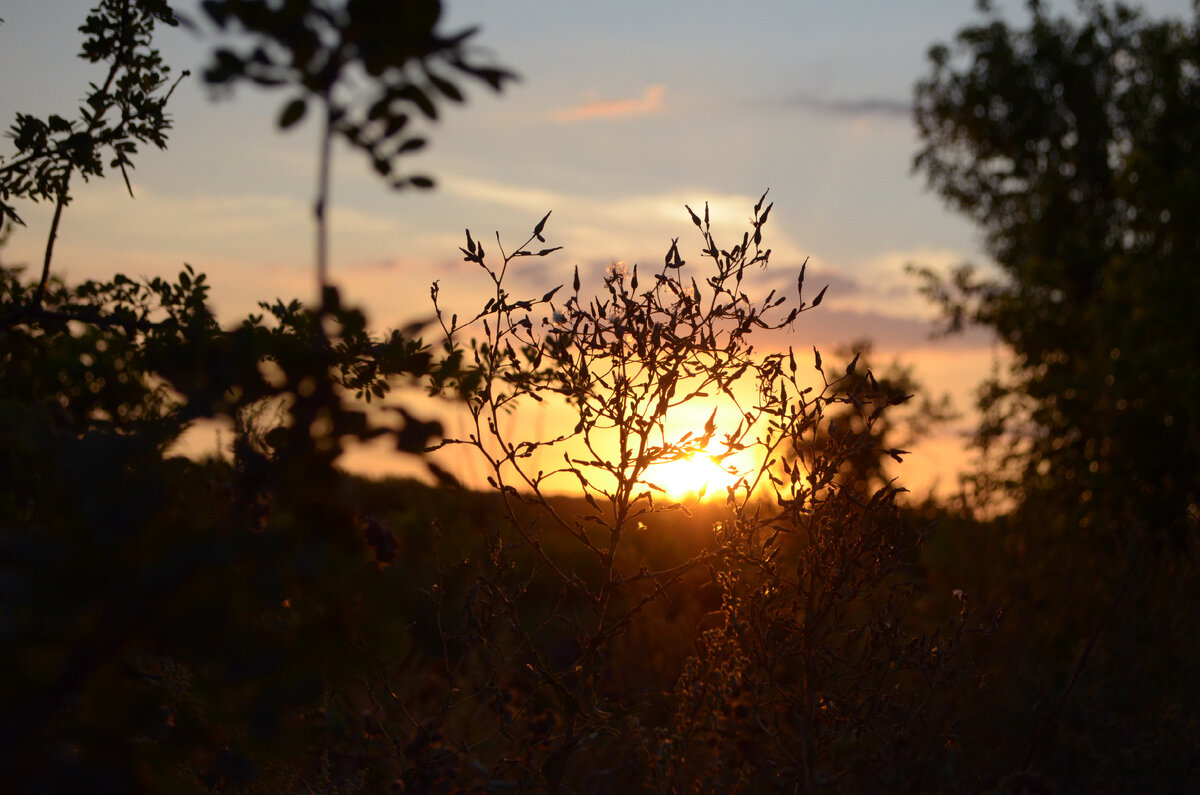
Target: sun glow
{"x":699,"y":476}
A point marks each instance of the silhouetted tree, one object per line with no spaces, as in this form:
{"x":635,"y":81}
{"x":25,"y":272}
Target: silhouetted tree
{"x":1073,"y":145}
{"x":869,"y":436}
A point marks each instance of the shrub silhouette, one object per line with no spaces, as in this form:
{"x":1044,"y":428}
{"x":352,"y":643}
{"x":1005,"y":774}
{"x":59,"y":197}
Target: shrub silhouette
{"x":808,"y":574}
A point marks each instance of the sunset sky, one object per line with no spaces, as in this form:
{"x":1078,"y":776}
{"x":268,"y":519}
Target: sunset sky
{"x":624,"y":112}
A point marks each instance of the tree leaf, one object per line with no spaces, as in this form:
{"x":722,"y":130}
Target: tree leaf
{"x":292,"y":113}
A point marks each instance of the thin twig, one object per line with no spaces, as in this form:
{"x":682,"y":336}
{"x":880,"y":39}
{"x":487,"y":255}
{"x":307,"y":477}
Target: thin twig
{"x":319,"y":207}
{"x":50,"y":238}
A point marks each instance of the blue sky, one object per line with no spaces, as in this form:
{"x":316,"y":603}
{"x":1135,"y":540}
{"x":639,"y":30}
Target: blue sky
{"x":624,"y":112}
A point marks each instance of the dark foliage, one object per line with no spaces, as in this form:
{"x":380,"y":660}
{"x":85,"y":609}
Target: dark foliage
{"x":1072,"y":143}
{"x":370,"y":65}
{"x":266,"y":624}
{"x":162,"y":615}
{"x":169,"y":624}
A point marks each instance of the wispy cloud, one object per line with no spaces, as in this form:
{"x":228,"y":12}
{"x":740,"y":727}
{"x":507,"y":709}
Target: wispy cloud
{"x":830,"y":327}
{"x":530,"y":199}
{"x":651,"y":101}
{"x":884,"y":107}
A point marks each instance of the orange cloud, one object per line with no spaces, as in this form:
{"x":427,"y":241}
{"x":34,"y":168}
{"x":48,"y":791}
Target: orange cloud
{"x":650,"y":101}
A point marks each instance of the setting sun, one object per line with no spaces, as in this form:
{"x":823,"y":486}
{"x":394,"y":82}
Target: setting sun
{"x":695,"y":477}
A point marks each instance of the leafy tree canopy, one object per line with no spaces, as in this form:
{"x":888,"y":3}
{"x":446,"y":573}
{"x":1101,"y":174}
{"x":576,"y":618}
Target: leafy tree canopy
{"x":1073,"y":144}
{"x":371,"y":65}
